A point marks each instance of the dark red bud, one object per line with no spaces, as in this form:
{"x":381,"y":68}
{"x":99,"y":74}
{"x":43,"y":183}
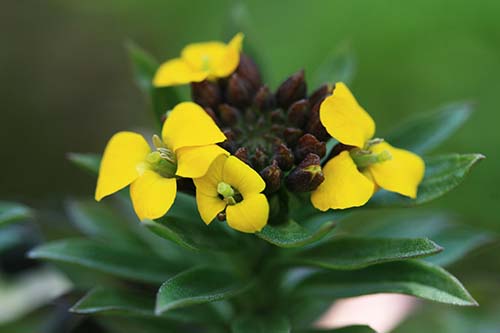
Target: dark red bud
{"x":221,"y":216}
{"x":314,"y":125}
{"x":206,"y":93}
{"x":264,"y":99}
{"x":228,"y":114}
{"x":277,"y":116}
{"x":211,"y":113}
{"x":320,"y":94}
{"x":309,"y":144}
{"x":307,"y":176}
{"x":298,"y":113}
{"x":239,"y":91}
{"x":248,"y":70}
{"x":284,"y":157}
{"x":337,"y":149}
{"x":259,"y":160}
{"x":291,"y":90}
{"x":272,"y":176}
{"x":292,"y":135}
{"x":242,"y":154}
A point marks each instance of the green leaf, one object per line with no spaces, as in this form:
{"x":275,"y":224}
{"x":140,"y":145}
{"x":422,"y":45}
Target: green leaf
{"x":11,"y":236}
{"x":99,"y":221}
{"x":409,"y":277}
{"x":261,"y":324}
{"x":339,"y":66}
{"x":443,"y":173}
{"x":144,"y":68}
{"x":120,"y":261}
{"x":354,"y":252}
{"x":347,"y":329}
{"x":292,"y":234}
{"x":100,"y":300}
{"x":197,"y":286}
{"x":12,"y":212}
{"x":425,"y":131}
{"x":87,"y":162}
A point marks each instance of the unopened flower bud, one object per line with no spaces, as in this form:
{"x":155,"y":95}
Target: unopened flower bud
{"x":298,"y":113}
{"x":307,"y":176}
{"x":277,"y":116}
{"x":248,"y":70}
{"x":309,"y":144}
{"x":228,"y":114}
{"x":242,"y":154}
{"x":338,"y":148}
{"x":291,"y":90}
{"x":206,"y":93}
{"x":272,"y":176}
{"x":292,"y":135}
{"x":284,"y":157}
{"x":320,"y":94}
{"x":239,"y":91}
{"x":221,"y":216}
{"x":314,"y":125}
{"x":264,"y":99}
{"x":211,"y":113}
{"x":259,"y":160}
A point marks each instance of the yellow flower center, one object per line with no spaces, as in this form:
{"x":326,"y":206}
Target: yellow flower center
{"x":163,"y":160}
{"x":228,"y":193}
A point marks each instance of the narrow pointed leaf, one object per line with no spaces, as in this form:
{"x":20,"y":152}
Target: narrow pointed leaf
{"x":409,"y":277}
{"x":86,"y":161}
{"x":197,"y":286}
{"x":11,"y":212}
{"x":354,"y":252}
{"x":261,"y":324}
{"x":339,"y":66}
{"x":120,"y":261}
{"x":443,"y":173}
{"x":425,"y":131}
{"x":292,"y":234}
{"x":347,"y":329}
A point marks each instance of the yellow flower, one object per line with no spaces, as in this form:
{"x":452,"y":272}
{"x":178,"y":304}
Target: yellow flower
{"x":200,"y":61}
{"x":233,"y":186}
{"x":352,"y":177}
{"x":187,"y":150}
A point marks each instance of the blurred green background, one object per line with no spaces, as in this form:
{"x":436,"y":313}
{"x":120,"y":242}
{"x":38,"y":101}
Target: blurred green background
{"x":66,"y":85}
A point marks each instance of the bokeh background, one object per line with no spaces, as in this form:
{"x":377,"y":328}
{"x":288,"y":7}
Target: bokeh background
{"x":66,"y":85}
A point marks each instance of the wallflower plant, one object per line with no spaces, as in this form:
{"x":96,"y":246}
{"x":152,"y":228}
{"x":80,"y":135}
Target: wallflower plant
{"x":237,"y":204}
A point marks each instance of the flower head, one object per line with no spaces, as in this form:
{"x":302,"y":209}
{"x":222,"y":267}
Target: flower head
{"x":363,"y":163}
{"x":232,"y":187}
{"x":187,"y":149}
{"x":200,"y":61}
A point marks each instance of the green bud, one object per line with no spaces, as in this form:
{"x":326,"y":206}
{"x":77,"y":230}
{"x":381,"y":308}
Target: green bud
{"x":364,"y":158}
{"x":225,"y":190}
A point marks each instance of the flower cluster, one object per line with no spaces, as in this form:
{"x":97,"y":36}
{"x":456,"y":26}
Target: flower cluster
{"x":243,"y":145}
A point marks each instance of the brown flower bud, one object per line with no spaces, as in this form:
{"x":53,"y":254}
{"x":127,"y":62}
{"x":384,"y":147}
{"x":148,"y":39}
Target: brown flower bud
{"x":211,"y":113}
{"x":292,"y":135}
{"x":277,"y":116}
{"x":248,"y":70}
{"x":239,"y":91}
{"x":221,"y":216}
{"x":337,"y":149}
{"x":264,"y":99}
{"x":307,"y":176}
{"x":229,"y":114}
{"x":259,"y":159}
{"x":242,"y":154}
{"x":309,"y":144}
{"x":206,"y":93}
{"x":272,"y":176}
{"x":298,"y":113}
{"x":320,"y":94}
{"x":314,"y":125}
{"x":283,"y":156}
{"x":291,"y":90}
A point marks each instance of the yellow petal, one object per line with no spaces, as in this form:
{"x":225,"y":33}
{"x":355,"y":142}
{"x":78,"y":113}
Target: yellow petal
{"x":242,"y":177}
{"x":228,"y":63}
{"x":344,"y":186}
{"x":177,"y":71}
{"x":193,"y":162}
{"x":402,"y":174}
{"x":208,"y":183}
{"x":203,"y":55}
{"x":208,"y":206}
{"x":123,"y":153}
{"x":250,"y":215}
{"x":344,"y":119}
{"x":152,"y":195}
{"x":188,"y":125}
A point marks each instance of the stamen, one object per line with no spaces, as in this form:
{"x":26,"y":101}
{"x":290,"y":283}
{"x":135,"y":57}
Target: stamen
{"x":228,"y":193}
{"x":364,"y":158}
